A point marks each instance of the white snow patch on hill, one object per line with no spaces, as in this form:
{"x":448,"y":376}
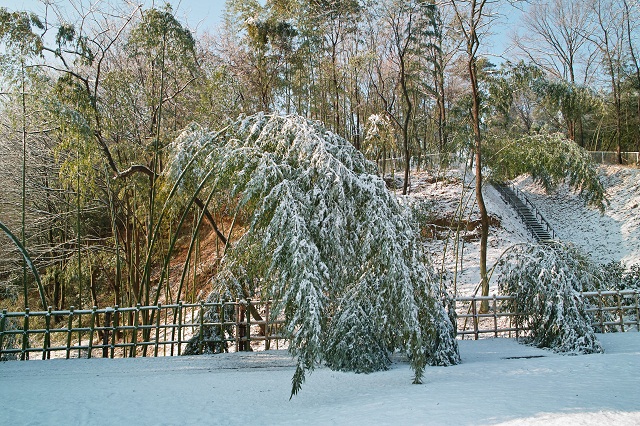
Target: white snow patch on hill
{"x":611,"y":236}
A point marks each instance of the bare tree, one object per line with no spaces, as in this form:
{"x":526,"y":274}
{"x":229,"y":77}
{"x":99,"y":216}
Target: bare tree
{"x":557,"y":40}
{"x":609,"y":38}
{"x":473,"y":17}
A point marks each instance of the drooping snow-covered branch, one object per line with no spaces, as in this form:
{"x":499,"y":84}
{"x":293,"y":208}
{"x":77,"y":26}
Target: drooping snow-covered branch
{"x":327,"y":242}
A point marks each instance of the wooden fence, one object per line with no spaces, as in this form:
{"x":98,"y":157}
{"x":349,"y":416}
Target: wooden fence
{"x":167,"y":330}
{"x":162,"y":330}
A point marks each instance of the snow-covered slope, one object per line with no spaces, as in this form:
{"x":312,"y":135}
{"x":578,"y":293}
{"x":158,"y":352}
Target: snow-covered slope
{"x":611,"y":236}
{"x":614,"y":235}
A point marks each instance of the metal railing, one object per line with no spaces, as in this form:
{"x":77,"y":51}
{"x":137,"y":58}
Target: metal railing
{"x":535,"y":211}
{"x":167,"y":330}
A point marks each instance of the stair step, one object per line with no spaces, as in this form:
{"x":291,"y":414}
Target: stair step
{"x":539,"y":232}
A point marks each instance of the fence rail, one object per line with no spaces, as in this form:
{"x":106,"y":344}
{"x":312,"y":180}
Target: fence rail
{"x":167,"y":330}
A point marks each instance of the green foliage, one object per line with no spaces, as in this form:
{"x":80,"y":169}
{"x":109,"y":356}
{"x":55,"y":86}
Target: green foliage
{"x":546,"y":282}
{"x":616,"y":277}
{"x":550,"y":160}
{"x":17,"y":31}
{"x":327,"y":242}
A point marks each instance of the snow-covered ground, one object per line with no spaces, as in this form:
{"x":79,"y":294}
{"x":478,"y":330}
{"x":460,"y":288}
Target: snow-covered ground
{"x":498,"y":382}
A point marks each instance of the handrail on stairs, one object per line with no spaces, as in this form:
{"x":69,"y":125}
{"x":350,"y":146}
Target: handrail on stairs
{"x":537,"y":213}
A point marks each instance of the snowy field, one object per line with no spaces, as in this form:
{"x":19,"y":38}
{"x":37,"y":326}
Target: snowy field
{"x":498,"y":382}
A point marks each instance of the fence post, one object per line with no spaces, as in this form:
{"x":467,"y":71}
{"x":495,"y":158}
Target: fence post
{"x":475,"y":318}
{"x":620,"y":315}
{"x":3,"y":321}
{"x":105,"y":333}
{"x":600,"y":304}
{"x":155,"y":348}
{"x":134,"y":348}
{"x":69,"y":331}
{"x":92,"y":326}
{"x":638,"y":310}
{"x":267,"y":341}
{"x":46,"y":353}
{"x":247,"y":313}
{"x":179,"y":329}
{"x":237,"y":309}
{"x":201,"y":331}
{"x":495,"y":316}
{"x":24,"y":353}
{"x":114,"y":331}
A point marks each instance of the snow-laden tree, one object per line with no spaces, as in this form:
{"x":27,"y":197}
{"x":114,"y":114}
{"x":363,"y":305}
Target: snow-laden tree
{"x":546,"y":281}
{"x":325,"y":240}
{"x":551,"y":160}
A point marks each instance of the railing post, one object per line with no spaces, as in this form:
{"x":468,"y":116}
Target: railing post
{"x":24,"y":353}
{"x":46,"y":353}
{"x":620,"y":314}
{"x":638,"y":309}
{"x":600,"y":304}
{"x":3,"y":321}
{"x":201,"y":331}
{"x":155,"y":348}
{"x":114,"y":331}
{"x":179,"y":330}
{"x":105,"y":333}
{"x":495,"y":315}
{"x":267,"y":341}
{"x":247,"y":313}
{"x":69,"y":331}
{"x":237,"y":309}
{"x":474,"y":313}
{"x":92,"y":326}
{"x":136,"y":323}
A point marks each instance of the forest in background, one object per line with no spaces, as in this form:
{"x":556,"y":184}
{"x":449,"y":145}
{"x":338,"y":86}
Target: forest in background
{"x":92,"y":101}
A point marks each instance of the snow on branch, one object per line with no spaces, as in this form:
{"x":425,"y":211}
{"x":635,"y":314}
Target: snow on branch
{"x":546,"y":281}
{"x":327,"y":242}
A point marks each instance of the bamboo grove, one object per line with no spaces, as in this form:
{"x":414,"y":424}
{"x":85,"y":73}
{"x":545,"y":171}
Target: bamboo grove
{"x":92,"y":96}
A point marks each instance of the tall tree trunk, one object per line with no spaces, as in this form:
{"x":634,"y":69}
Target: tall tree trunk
{"x":484,"y":216}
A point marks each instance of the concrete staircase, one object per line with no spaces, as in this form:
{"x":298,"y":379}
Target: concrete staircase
{"x":533,"y":220}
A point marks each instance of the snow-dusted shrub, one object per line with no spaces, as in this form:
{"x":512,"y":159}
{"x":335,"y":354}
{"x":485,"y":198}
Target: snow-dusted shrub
{"x":213,"y":336}
{"x":616,"y":277}
{"x":546,"y":281}
{"x":329,"y":244}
